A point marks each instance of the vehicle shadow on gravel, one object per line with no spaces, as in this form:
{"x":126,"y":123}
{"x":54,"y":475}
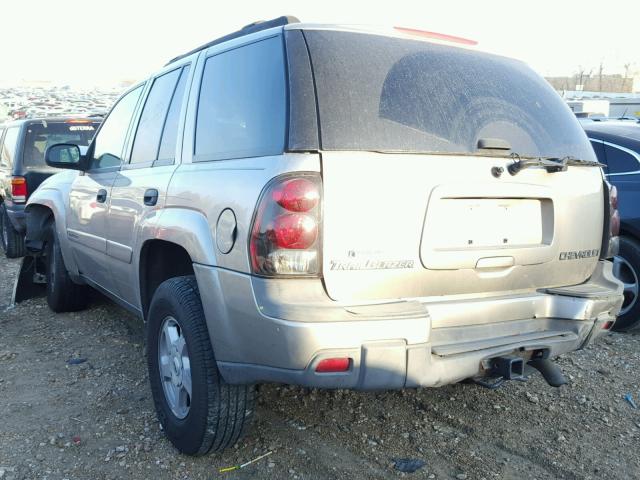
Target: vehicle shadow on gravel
{"x":75,"y":403}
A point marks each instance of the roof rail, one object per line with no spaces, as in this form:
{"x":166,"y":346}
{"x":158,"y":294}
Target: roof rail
{"x":246,"y":30}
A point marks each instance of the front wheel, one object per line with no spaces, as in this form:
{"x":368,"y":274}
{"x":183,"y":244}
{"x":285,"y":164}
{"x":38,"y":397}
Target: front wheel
{"x":626,"y":267}
{"x":198,"y":410}
{"x":63,"y":294}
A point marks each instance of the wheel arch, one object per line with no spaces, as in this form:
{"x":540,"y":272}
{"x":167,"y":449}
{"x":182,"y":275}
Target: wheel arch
{"x":160,"y":260}
{"x":170,"y":243}
{"x":44,"y":207}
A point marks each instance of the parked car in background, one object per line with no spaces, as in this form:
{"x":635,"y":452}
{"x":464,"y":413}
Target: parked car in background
{"x":617,"y":144}
{"x":22,"y":168}
{"x":333,"y":207}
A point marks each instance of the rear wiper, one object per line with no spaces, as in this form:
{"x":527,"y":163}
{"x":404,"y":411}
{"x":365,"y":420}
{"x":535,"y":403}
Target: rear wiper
{"x":551,"y":165}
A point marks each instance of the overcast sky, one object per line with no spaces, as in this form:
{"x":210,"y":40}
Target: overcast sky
{"x":105,"y":41}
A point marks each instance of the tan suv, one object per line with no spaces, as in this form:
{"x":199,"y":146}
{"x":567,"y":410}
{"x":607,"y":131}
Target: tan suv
{"x":333,"y":207}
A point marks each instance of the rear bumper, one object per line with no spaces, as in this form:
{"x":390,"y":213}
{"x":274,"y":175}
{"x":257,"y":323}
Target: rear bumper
{"x":264,"y":331}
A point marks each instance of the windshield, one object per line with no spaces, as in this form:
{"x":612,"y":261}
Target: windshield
{"x":43,"y":134}
{"x":398,"y":95}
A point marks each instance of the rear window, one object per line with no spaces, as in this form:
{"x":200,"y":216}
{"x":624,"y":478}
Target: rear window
{"x":399,"y":95}
{"x":43,"y":134}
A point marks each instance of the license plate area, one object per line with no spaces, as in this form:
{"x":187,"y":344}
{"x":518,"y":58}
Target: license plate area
{"x":481,"y":223}
{"x":470,"y":232}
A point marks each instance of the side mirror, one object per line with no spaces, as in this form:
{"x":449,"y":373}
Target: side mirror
{"x":64,"y":155}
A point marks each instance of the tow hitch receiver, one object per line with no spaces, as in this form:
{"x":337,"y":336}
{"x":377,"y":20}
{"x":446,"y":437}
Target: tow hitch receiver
{"x":509,"y":368}
{"x":500,"y":370}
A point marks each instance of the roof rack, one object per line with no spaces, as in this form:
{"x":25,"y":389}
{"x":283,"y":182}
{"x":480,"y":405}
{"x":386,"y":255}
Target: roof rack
{"x":246,"y":30}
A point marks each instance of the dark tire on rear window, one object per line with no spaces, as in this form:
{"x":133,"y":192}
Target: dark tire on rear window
{"x":627,"y":269}
{"x":198,"y":410}
{"x":11,"y":241}
{"x":63,"y":294}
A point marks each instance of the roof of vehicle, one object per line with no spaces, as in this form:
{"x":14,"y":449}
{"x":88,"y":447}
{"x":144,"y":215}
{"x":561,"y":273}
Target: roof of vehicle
{"x":246,"y":30}
{"x":70,"y":119}
{"x":290,"y":23}
{"x":614,"y":130}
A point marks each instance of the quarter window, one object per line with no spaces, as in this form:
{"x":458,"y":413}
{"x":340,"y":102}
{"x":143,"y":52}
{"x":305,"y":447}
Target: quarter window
{"x":620,"y":161}
{"x":242,"y":104}
{"x":109,"y":142}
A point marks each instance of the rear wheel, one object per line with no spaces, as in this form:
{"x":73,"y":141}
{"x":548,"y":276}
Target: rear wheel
{"x":11,"y":241}
{"x":63,"y":294}
{"x":626,"y":267}
{"x":198,"y":410}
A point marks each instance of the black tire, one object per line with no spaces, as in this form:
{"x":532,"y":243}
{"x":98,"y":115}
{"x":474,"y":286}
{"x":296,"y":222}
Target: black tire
{"x":11,"y":241}
{"x":63,"y":294}
{"x":218,"y":414}
{"x":630,"y":253}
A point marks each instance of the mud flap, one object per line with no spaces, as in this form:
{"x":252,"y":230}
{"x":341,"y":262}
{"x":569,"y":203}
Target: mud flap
{"x":30,"y":283}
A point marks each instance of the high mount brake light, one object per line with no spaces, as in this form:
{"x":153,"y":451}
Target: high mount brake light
{"x":436,"y":36}
{"x":285,"y":237}
{"x":19,"y":189}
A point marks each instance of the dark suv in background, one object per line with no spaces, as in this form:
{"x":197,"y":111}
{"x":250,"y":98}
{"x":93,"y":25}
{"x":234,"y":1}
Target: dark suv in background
{"x":617,"y":144}
{"x":22,"y":168}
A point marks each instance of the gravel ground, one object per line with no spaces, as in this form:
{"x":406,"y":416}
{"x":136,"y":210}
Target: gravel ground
{"x":95,"y":420}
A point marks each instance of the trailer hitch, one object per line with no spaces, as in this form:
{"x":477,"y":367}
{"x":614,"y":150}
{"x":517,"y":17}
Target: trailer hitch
{"x":514,"y":368}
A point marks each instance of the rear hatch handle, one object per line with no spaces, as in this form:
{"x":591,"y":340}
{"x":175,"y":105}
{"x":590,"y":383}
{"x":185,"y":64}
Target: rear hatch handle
{"x":551,"y":165}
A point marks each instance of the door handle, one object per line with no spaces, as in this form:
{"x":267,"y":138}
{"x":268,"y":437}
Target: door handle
{"x":102,"y":196}
{"x":151,"y":197}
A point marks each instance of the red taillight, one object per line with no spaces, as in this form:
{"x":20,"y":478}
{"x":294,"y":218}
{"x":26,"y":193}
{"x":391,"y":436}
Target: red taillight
{"x":333,"y":365}
{"x":610,"y":241}
{"x":614,"y":223}
{"x":613,"y":197}
{"x":19,"y":189}
{"x":285,"y":233}
{"x":297,"y":195}
{"x":295,"y":231}
{"x":607,"y":325}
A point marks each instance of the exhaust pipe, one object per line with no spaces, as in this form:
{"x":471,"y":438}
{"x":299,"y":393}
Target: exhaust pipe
{"x":549,"y":371}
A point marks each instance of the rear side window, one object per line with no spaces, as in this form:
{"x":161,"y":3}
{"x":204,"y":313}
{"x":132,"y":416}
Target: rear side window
{"x":621,"y":161}
{"x":109,"y":141}
{"x":39,"y":136}
{"x":9,"y":146}
{"x":242,"y":104}
{"x":401,"y":95}
{"x":154,"y":115}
